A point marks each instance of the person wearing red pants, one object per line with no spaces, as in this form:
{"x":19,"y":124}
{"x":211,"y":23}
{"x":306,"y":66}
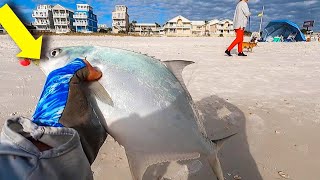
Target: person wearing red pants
{"x":240,"y":21}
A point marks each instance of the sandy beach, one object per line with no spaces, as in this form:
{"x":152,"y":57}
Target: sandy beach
{"x":271,"y":97}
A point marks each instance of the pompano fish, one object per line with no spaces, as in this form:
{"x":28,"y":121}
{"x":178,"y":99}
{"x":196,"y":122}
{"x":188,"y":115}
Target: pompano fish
{"x":145,"y":105}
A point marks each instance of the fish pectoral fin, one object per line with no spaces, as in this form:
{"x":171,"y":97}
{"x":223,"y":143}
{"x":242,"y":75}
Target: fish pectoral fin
{"x":176,"y":67}
{"x":98,"y":90}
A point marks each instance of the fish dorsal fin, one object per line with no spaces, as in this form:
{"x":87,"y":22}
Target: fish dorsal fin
{"x":98,"y":91}
{"x":176,"y":67}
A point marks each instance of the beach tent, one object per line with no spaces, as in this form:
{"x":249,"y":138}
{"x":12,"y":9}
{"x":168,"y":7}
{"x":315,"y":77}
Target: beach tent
{"x":285,"y":29}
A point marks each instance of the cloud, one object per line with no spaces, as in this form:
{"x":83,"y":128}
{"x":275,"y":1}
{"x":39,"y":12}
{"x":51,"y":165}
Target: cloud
{"x":161,"y":11}
{"x":149,"y":11}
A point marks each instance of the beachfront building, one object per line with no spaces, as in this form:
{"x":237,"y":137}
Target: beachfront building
{"x":120,"y":19}
{"x":147,"y":28}
{"x":178,"y":26}
{"x":63,"y":19}
{"x":221,"y":27}
{"x":84,"y":19}
{"x":198,"y":28}
{"x":43,"y":18}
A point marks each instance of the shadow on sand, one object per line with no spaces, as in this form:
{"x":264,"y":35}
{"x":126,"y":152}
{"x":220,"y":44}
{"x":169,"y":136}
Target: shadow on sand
{"x":221,"y":119}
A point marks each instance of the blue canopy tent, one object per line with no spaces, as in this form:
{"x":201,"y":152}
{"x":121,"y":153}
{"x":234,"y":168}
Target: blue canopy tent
{"x":286,"y":29}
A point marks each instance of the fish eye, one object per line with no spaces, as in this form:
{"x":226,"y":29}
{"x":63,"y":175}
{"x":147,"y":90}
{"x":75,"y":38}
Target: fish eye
{"x":55,"y":52}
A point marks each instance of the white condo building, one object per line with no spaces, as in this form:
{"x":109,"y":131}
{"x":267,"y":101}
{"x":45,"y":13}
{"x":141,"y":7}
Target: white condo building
{"x":221,"y":27}
{"x":198,"y":28}
{"x":178,"y":26}
{"x":146,"y":28}
{"x":120,"y":19}
{"x":43,"y":18}
{"x":63,"y":19}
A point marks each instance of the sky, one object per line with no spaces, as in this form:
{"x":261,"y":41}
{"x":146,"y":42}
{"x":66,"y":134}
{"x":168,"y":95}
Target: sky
{"x":160,"y":11}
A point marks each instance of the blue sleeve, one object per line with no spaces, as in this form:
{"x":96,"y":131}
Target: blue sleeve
{"x":55,"y":94}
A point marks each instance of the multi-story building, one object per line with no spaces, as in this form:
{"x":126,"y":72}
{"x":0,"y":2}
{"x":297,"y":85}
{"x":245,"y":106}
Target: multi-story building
{"x":84,"y":19}
{"x":146,"y":28}
{"x":63,"y":19}
{"x":120,"y":19}
{"x":198,"y":28}
{"x":221,"y":28}
{"x":178,"y":26}
{"x":43,"y":18}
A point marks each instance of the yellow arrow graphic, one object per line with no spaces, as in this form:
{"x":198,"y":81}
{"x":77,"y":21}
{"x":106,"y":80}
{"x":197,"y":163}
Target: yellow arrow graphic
{"x":30,"y":48}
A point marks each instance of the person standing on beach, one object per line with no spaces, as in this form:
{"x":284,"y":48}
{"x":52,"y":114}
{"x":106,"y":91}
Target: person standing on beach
{"x":240,"y":21}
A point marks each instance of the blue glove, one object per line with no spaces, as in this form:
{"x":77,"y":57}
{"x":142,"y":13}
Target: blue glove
{"x":63,"y":103}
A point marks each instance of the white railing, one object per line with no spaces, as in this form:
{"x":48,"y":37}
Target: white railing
{"x":40,"y":23}
{"x":39,"y":15}
{"x":117,"y":17}
{"x":119,"y":24}
{"x":61,"y":23}
{"x":80,"y":24}
{"x":61,"y":15}
{"x":80,"y":16}
{"x":177,"y":26}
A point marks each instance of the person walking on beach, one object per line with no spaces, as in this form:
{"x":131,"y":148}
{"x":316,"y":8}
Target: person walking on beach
{"x":240,"y":21}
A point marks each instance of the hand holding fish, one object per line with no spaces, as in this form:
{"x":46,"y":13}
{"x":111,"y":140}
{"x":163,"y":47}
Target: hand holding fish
{"x":63,"y":104}
{"x":65,"y":136}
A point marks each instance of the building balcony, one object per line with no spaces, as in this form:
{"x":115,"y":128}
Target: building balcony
{"x":80,"y":24}
{"x":225,"y":29}
{"x":60,"y":15}
{"x":118,"y":18}
{"x":39,"y":23}
{"x":116,"y":15}
{"x":80,"y":16}
{"x":177,"y":26}
{"x":119,"y":24}
{"x":146,"y":30}
{"x":61,"y":23}
{"x":34,"y":15}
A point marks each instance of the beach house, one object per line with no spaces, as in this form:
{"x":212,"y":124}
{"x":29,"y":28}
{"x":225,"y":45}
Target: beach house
{"x":120,"y":19}
{"x":43,"y":18}
{"x":178,"y":26}
{"x":198,"y":28}
{"x":63,"y":19}
{"x":84,"y":19}
{"x":147,"y":28}
{"x":221,"y":27}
